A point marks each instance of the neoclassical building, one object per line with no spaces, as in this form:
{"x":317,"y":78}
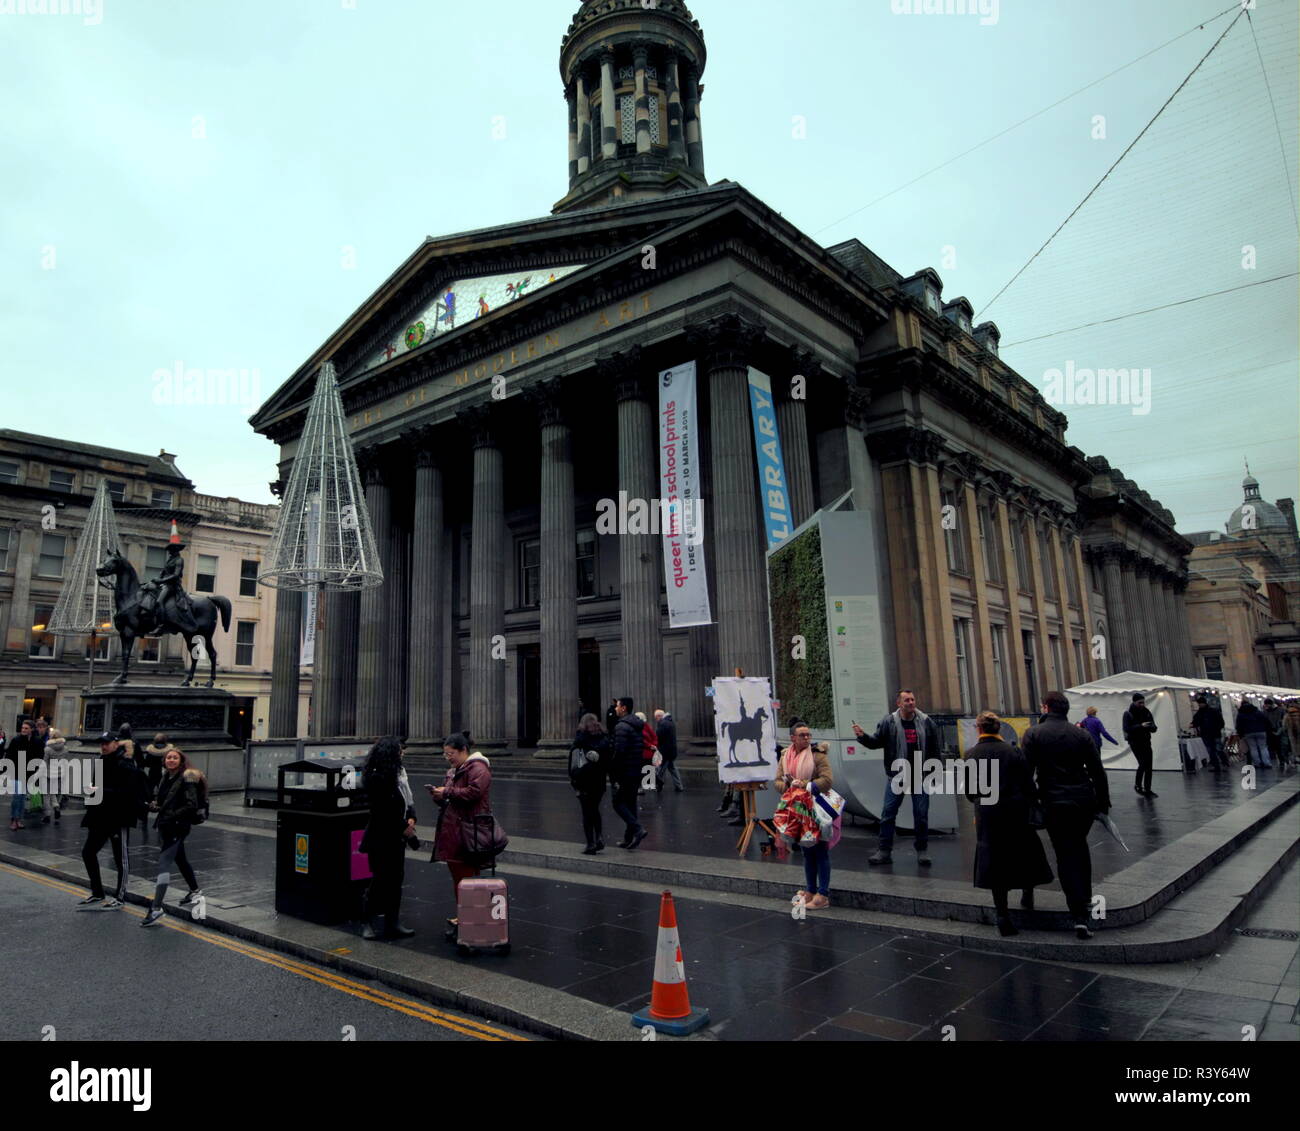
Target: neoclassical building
{"x":501,"y":383}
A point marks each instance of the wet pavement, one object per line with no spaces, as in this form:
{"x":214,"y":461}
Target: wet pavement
{"x":765,"y":976}
{"x":687,"y":823}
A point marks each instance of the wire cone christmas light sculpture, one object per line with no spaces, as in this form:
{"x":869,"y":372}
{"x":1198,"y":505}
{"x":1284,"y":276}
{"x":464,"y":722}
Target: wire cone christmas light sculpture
{"x":85,"y":604}
{"x":323,"y":538}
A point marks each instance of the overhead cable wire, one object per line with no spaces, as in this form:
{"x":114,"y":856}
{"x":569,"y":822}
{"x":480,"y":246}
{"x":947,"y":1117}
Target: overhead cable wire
{"x":1128,"y":149}
{"x":1286,"y":165}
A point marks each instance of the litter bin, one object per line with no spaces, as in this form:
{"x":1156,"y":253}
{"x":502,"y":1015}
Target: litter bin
{"x":320,"y":874}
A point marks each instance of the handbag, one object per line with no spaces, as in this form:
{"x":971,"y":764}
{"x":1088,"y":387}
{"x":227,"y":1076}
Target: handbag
{"x":482,"y":838}
{"x":827,"y":807}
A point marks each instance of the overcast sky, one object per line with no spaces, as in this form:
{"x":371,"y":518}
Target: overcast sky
{"x":218,"y":186}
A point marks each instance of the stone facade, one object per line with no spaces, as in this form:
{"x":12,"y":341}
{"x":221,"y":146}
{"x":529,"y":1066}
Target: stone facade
{"x":496,"y":440}
{"x":46,"y":674}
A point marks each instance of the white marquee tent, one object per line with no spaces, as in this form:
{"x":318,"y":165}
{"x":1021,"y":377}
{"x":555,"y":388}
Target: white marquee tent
{"x":1171,"y":703}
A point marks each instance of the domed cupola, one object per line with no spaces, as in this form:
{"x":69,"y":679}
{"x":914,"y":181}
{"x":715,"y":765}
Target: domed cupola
{"x":1255,"y":513}
{"x":631,"y":71}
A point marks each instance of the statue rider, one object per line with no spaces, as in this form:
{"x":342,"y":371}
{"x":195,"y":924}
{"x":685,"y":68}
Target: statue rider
{"x":155,"y":595}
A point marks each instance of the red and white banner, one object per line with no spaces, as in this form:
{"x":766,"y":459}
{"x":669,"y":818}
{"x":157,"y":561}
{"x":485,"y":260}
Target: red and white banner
{"x":681,"y":519}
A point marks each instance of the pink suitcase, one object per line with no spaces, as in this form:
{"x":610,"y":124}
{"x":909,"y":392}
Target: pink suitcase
{"x":483,"y":910}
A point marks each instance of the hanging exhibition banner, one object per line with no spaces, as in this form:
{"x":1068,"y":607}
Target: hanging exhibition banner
{"x":744,"y":724}
{"x":772,"y":491}
{"x":681,"y":519}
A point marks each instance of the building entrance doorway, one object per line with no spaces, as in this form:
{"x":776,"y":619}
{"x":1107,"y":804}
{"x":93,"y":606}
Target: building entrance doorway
{"x":529,"y":695}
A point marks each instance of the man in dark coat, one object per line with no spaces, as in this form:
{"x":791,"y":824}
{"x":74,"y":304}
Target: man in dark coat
{"x":902,"y":734}
{"x":625,"y":774}
{"x":1072,"y":788}
{"x":123,"y":791}
{"x":611,"y":716}
{"x":1008,"y":853}
{"x":1208,"y":722}
{"x":1139,"y":726}
{"x":666,"y":732}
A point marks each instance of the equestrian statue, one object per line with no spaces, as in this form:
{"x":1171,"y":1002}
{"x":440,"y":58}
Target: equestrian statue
{"x":161,"y":607}
{"x":748,"y":728}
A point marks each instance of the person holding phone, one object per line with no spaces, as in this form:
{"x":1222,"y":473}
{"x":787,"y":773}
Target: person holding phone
{"x":903,"y":734}
{"x":1139,"y":726}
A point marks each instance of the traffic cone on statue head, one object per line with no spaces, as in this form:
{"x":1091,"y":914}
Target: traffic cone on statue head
{"x":670,"y":1007}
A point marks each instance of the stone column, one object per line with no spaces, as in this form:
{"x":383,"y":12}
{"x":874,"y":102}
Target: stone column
{"x":346,"y":610}
{"x":1085,"y":607}
{"x":1043,"y":662}
{"x":694,"y":133}
{"x":1135,"y":599}
{"x":1153,"y":613}
{"x":737,"y":561}
{"x":324,"y":684}
{"x":1169,"y":626}
{"x":398,"y":587}
{"x":571,"y":97}
{"x":373,"y":687}
{"x":1184,"y":628}
{"x":283,"y":722}
{"x":676,"y":115}
{"x":639,"y":53}
{"x":1070,"y":676}
{"x":609,"y":122}
{"x":792,"y":424}
{"x":640,"y":555}
{"x":559,"y":589}
{"x":1119,"y":645}
{"x":21,"y":608}
{"x":487,"y":586}
{"x":983,"y":682}
{"x":584,"y":122}
{"x":428,"y":624}
{"x":1015,"y":652}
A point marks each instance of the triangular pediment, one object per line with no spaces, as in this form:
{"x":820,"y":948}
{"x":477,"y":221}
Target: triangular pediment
{"x":463,"y":300}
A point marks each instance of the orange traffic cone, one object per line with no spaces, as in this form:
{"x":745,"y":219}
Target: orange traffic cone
{"x":174,"y":540}
{"x":670,"y":1007}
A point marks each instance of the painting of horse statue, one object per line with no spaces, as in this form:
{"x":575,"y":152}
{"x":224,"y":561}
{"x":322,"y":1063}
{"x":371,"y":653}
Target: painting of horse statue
{"x":748,"y":728}
{"x":136,"y":618}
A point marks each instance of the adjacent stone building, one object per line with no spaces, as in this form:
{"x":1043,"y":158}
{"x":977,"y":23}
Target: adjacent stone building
{"x":44,"y":674}
{"x":501,"y":383}
{"x":1244,"y":598}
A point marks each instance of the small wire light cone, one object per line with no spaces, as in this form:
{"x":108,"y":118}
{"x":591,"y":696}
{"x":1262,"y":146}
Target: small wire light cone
{"x":85,"y":603}
{"x":323,"y":538}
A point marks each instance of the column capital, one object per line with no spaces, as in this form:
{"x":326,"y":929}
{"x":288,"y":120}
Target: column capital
{"x":727,"y":340}
{"x":547,"y":399}
{"x":857,"y":404}
{"x":804,"y":362}
{"x":277,"y":487}
{"x":605,"y":56}
{"x":641,"y":52}
{"x":420,"y":440}
{"x":372,"y":465}
{"x":482,"y":424}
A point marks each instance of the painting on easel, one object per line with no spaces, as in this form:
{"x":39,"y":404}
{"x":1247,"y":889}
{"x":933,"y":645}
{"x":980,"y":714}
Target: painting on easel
{"x":745,"y":726}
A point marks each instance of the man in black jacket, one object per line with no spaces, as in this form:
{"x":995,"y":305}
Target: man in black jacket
{"x":1071,"y":785}
{"x":123,"y":797}
{"x":1139,"y":726}
{"x":902,"y":735}
{"x":1208,"y":722}
{"x":625,"y":774}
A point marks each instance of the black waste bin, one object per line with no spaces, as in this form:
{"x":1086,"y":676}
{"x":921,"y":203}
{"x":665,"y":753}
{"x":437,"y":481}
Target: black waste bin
{"x":320,"y":875}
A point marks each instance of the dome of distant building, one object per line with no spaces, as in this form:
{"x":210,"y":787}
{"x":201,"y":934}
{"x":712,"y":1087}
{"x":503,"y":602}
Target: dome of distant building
{"x":1265,"y":516}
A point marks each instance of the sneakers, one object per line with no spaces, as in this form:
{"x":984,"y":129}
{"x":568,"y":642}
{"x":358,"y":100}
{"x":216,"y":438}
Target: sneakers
{"x":90,"y":903}
{"x":879,"y":857}
{"x":1081,"y":932}
{"x":112,"y":903}
{"x":155,"y":916}
{"x":922,"y":858}
{"x":191,"y":897}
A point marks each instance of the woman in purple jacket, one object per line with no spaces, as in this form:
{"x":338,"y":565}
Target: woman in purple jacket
{"x":1095,"y":727}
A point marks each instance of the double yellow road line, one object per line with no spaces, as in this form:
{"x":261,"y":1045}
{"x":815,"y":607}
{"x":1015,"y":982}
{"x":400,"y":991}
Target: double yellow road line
{"x":464,"y":1025}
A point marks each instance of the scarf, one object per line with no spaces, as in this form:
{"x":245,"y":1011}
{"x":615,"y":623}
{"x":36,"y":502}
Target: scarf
{"x":796,"y":765}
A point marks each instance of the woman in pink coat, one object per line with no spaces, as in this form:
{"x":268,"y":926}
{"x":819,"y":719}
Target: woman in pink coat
{"x":463,"y":794}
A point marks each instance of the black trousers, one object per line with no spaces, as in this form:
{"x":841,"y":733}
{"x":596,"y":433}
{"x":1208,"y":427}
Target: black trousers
{"x":625,"y":803}
{"x":96,"y":838}
{"x":388,"y":863}
{"x":1067,"y":828}
{"x":1144,"y":758}
{"x":591,"y":824}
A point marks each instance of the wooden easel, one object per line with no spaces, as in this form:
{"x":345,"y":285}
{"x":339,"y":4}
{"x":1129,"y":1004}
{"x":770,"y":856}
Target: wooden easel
{"x":748,"y":806}
{"x":749,"y":811}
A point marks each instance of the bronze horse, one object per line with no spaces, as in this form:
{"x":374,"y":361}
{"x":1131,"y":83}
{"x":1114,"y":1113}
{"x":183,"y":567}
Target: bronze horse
{"x":134,"y":622}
